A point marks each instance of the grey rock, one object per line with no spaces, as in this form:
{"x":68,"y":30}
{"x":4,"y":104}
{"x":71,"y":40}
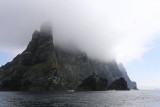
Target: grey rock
{"x":43,"y":66}
{"x":131,"y":84}
{"x":119,"y":84}
{"x":93,"y":83}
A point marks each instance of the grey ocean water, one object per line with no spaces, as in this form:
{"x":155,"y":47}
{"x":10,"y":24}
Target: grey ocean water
{"x":81,"y":99}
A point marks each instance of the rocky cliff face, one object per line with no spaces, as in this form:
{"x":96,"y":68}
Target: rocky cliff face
{"x":42,"y":66}
{"x":120,"y":84}
{"x":77,"y":66}
{"x":93,"y":83}
{"x":131,"y":84}
{"x":35,"y":69}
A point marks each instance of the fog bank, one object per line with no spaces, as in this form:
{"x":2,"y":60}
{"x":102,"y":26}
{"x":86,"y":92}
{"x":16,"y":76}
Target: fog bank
{"x":104,"y":29}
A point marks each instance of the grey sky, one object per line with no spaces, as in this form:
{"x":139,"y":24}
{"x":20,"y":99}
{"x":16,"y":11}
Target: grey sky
{"x":102,"y":28}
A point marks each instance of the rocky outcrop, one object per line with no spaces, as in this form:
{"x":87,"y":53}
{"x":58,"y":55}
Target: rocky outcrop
{"x":119,"y":84}
{"x":40,"y":49}
{"x":43,"y":66}
{"x":131,"y":84}
{"x":78,"y":66}
{"x":35,"y":69}
{"x":93,"y":83}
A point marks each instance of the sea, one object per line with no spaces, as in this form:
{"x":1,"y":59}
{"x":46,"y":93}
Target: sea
{"x":135,"y":98}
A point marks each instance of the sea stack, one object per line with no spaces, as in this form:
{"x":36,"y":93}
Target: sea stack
{"x":46,"y":66}
{"x":93,"y":83}
{"x":119,"y":84}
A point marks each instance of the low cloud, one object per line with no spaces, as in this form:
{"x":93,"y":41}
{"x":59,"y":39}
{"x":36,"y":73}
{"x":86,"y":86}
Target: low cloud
{"x":104,"y":29}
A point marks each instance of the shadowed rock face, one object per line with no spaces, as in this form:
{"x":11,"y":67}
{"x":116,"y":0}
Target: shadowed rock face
{"x":93,"y":83}
{"x":35,"y":69}
{"x":131,"y":84}
{"x":77,"y":67}
{"x":42,"y":66}
{"x":119,"y":84}
{"x":39,"y":49}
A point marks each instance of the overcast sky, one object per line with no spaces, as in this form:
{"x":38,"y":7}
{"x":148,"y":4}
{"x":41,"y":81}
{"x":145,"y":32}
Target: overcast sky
{"x":122,"y":29}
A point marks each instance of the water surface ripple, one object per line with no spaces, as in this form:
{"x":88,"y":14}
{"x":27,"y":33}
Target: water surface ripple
{"x":81,"y":99}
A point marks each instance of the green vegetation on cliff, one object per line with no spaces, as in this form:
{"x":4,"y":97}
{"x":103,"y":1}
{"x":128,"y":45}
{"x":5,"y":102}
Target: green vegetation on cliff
{"x":42,"y":66}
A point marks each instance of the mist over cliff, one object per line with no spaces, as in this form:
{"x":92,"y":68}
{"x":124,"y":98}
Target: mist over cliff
{"x":44,"y":66}
{"x":103,"y":29}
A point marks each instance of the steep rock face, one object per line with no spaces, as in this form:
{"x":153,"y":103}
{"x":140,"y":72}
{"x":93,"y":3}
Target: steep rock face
{"x":42,"y":66}
{"x":131,"y":84}
{"x":35,"y":69}
{"x":78,"y":66}
{"x":40,"y":49}
{"x":119,"y":84}
{"x":93,"y":83}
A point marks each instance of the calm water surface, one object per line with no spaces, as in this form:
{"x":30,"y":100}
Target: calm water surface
{"x":81,"y":99}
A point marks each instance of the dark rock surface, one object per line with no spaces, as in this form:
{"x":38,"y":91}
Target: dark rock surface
{"x":93,"y":83}
{"x":35,"y":69}
{"x":119,"y":84}
{"x":131,"y":84}
{"x":77,"y":66}
{"x":40,"y":49}
{"x":43,"y":66}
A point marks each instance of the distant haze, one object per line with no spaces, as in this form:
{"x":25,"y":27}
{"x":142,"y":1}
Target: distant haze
{"x":104,"y":29}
